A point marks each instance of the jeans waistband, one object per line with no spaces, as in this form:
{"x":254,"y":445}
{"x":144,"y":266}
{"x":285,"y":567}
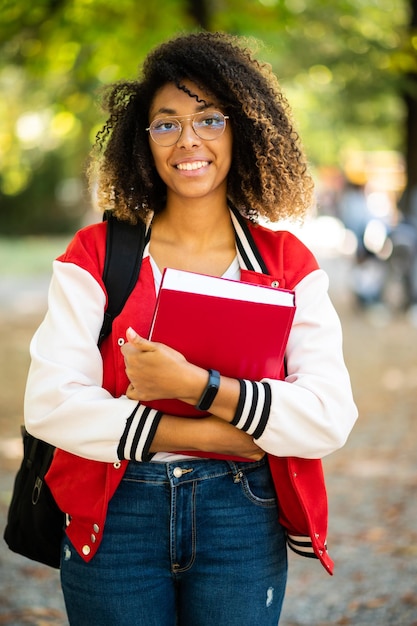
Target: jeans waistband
{"x":188,"y":470}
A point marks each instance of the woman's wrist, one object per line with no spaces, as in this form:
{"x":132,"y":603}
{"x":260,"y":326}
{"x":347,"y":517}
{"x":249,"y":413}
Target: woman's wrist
{"x":194,"y":381}
{"x":225,"y":401}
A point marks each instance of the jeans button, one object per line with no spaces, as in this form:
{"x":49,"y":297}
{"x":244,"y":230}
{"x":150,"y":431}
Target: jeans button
{"x":177,"y":472}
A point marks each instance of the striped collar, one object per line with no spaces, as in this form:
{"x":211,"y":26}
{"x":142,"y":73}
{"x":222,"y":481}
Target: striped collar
{"x":247,"y":251}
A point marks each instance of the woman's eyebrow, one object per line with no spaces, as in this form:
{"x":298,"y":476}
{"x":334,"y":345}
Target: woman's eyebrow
{"x":199,"y":108}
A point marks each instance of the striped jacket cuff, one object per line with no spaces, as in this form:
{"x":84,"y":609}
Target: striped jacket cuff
{"x":138,"y":434}
{"x":301,"y":545}
{"x":253,"y":408}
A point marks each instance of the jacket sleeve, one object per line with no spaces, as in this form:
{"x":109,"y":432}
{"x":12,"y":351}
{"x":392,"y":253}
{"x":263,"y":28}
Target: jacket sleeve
{"x":311,"y":413}
{"x":65,"y":403}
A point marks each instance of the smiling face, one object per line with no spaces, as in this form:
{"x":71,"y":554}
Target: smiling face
{"x":193,"y":167}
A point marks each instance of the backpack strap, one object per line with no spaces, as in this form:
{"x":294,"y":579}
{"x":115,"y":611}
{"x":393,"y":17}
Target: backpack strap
{"x":124,"y":251}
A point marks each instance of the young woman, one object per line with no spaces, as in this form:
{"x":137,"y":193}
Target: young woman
{"x":199,"y":147}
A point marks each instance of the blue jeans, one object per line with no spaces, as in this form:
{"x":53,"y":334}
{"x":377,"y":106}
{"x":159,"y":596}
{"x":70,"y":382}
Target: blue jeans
{"x":193,"y":543}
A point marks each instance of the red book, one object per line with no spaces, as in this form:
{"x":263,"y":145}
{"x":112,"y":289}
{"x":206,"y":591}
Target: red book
{"x":238,"y":328}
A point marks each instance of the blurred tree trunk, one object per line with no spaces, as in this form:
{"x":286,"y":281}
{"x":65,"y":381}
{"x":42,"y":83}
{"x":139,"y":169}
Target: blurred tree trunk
{"x":200,"y":11}
{"x":409,"y":201}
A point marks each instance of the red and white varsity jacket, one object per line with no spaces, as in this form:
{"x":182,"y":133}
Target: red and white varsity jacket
{"x":75,"y":393}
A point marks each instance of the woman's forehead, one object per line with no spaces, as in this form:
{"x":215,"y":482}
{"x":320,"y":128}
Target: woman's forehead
{"x":189,"y":95}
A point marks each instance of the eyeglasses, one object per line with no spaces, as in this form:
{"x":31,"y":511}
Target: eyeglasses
{"x":208,"y":125}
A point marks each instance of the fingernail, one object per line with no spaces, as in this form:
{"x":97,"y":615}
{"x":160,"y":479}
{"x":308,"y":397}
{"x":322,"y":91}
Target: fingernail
{"x":130,"y":333}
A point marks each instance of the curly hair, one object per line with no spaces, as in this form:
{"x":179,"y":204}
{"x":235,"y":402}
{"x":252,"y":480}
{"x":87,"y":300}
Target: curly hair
{"x":268,"y":176}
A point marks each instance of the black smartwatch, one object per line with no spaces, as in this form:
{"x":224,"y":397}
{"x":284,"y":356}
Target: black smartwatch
{"x":210,"y":391}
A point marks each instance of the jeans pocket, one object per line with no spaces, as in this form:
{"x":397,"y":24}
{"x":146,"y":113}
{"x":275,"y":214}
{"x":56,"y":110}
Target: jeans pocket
{"x":258,"y":486}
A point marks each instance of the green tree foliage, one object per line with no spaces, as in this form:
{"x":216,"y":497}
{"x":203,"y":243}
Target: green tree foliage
{"x":342,"y":65}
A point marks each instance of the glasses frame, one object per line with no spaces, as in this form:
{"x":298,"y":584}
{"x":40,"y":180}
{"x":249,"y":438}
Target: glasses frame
{"x":181,"y":127}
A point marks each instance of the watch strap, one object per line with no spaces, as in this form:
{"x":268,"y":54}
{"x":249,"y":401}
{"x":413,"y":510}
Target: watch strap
{"x":210,"y":391}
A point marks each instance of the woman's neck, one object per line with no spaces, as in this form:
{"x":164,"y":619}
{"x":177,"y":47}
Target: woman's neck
{"x":193,"y":236}
{"x":195,"y":220}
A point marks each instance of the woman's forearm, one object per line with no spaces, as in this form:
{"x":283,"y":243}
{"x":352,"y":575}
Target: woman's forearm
{"x":207,"y":434}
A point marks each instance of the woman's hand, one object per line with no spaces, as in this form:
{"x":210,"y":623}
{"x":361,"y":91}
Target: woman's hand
{"x":157,"y":372}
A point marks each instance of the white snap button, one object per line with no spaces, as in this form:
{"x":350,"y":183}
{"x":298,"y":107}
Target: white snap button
{"x":86,"y":550}
{"x":117,"y":465}
{"x":93,"y":538}
{"x":275,"y":283}
{"x":96,"y":528}
{"x":121,"y":341}
{"x":177,"y":472}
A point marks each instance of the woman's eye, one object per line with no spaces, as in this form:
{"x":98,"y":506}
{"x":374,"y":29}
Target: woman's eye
{"x":211,"y":120}
{"x":164,"y":126}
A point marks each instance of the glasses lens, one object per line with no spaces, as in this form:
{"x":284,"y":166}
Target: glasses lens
{"x":209,"y":124}
{"x":165,"y":131}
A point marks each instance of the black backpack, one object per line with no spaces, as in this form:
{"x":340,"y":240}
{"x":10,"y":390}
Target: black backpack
{"x":35,"y":524}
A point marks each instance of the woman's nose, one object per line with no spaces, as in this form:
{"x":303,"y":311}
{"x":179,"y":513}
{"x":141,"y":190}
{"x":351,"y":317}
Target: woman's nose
{"x":188,"y":137}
